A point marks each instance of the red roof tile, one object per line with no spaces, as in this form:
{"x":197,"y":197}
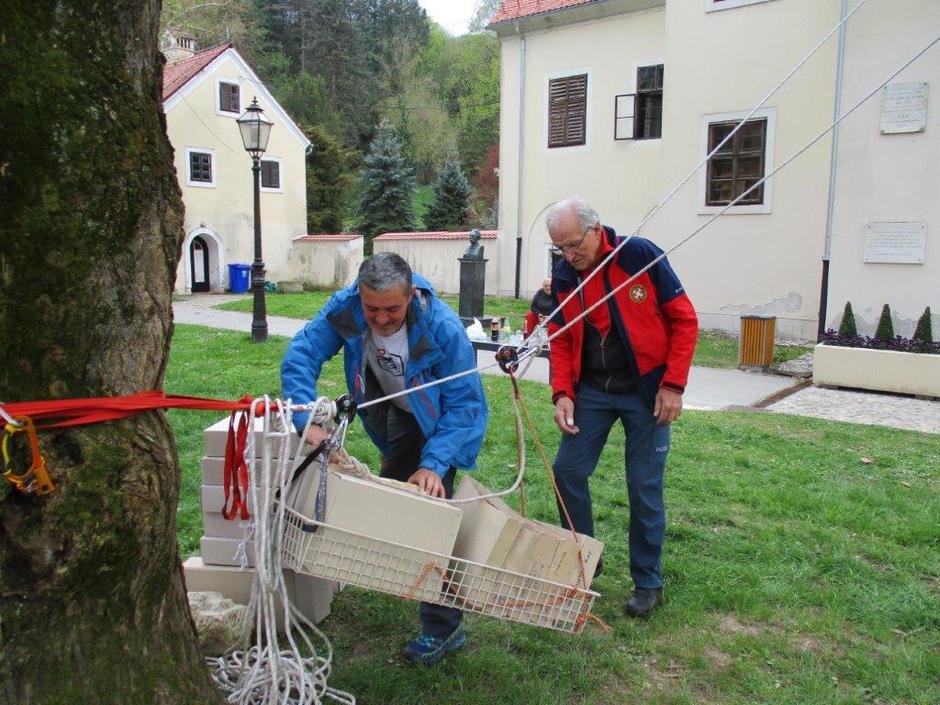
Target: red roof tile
{"x":327,"y":237}
{"x":514,"y":9}
{"x":178,"y":74}
{"x":437,"y":235}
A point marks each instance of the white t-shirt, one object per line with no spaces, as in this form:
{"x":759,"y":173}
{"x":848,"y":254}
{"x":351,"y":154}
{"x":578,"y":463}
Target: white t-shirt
{"x":388,"y":358}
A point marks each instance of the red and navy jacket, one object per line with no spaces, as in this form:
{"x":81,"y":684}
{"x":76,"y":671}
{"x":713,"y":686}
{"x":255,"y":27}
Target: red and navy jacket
{"x":654,"y":316}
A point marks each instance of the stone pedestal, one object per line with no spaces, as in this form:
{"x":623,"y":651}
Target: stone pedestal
{"x":472,"y":285}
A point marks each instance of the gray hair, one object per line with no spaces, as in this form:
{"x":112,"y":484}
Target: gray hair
{"x":384,"y":271}
{"x":586,"y":215}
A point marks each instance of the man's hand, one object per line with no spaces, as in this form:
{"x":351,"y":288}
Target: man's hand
{"x":564,"y":415}
{"x":668,"y":406}
{"x":428,"y":481}
{"x":315,"y":435}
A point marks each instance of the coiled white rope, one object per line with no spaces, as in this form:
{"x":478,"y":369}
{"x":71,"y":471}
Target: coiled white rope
{"x":265,"y":673}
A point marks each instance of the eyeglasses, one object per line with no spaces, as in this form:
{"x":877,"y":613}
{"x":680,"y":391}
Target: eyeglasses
{"x":575,"y":245}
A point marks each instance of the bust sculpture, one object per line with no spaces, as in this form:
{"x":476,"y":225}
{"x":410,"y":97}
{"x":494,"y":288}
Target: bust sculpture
{"x":474,"y":249}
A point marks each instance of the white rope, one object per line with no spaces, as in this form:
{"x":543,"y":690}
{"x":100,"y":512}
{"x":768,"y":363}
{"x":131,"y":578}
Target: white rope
{"x":9,"y":419}
{"x":669,"y":196}
{"x":717,"y":215}
{"x":265,"y":673}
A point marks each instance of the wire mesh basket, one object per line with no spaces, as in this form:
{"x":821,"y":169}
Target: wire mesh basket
{"x":324,"y":551}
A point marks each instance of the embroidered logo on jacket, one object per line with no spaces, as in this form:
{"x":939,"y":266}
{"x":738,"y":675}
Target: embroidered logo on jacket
{"x":638,"y":293}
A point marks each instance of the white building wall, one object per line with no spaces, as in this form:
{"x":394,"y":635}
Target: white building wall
{"x":887,"y":178}
{"x":227,"y":208}
{"x":726,"y":62}
{"x":619,"y":178}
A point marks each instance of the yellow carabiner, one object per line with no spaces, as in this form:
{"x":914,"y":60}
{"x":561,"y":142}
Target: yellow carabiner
{"x":34,"y":480}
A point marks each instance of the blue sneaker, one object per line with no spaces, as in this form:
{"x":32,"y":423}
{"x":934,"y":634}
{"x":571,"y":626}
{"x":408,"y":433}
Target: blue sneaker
{"x":429,"y":649}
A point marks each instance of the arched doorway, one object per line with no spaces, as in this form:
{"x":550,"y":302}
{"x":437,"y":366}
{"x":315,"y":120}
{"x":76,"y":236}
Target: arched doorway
{"x":199,"y":264}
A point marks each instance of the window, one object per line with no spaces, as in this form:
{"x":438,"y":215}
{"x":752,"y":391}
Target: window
{"x":567,"y":111}
{"x":229,"y":98}
{"x":738,"y":165}
{"x":639,"y":116}
{"x":270,"y":174}
{"x":199,"y":167}
{"x":713,"y":5}
{"x":649,"y":103}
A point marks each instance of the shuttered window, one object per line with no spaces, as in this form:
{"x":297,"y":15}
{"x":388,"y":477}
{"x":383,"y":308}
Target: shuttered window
{"x":567,"y":111}
{"x":270,"y":174}
{"x":228,"y":98}
{"x":738,"y":165}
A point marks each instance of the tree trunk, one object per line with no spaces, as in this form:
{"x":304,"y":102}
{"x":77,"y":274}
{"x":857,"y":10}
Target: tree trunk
{"x":92,"y":603}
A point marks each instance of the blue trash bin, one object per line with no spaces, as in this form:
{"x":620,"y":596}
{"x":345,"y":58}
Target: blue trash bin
{"x":239,"y":278}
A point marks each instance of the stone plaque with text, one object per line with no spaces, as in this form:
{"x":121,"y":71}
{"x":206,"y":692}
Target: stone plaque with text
{"x":895,"y":243}
{"x":904,"y":108}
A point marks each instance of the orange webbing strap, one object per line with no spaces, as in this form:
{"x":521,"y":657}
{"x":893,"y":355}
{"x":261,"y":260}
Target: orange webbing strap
{"x":582,"y":571}
{"x":35,"y":479}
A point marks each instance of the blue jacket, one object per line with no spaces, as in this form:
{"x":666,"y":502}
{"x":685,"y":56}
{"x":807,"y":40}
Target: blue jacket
{"x":452,"y":416}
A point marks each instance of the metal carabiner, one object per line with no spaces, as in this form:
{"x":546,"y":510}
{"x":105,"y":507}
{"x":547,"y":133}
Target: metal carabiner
{"x":35,"y":479}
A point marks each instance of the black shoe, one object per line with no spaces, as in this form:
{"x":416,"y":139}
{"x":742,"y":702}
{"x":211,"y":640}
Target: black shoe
{"x":644,"y":601}
{"x":600,"y":567}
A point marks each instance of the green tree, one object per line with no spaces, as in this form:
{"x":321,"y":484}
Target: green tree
{"x":211,"y":23}
{"x":483,"y":12}
{"x":92,"y":603}
{"x":924,"y":330}
{"x":328,"y":178}
{"x":885,"y":330}
{"x":452,"y":194}
{"x":386,"y":188}
{"x":847,"y":326}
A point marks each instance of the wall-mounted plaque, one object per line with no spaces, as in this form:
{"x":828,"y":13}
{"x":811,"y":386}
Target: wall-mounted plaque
{"x":895,"y":243}
{"x":904,"y":108}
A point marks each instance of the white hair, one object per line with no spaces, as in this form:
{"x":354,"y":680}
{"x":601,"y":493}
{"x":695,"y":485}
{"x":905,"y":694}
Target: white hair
{"x":578,"y":205}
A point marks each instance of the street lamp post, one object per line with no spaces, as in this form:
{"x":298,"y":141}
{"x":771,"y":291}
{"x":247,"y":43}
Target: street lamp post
{"x":255,"y":129}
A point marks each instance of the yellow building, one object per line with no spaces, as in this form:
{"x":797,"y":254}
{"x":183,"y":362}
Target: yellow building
{"x":203,"y":94}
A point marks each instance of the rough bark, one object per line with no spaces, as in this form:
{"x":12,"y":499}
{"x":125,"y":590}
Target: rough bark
{"x":92,"y":604}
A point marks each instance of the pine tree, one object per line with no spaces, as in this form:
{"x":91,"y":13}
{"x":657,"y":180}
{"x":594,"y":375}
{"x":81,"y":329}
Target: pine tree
{"x":924,"y":330}
{"x":885,"y":330}
{"x":452,"y":194}
{"x":386,"y":188}
{"x":847,"y":327}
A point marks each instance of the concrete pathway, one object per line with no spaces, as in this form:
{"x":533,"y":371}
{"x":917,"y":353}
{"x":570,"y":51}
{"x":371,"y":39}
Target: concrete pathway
{"x":708,"y":388}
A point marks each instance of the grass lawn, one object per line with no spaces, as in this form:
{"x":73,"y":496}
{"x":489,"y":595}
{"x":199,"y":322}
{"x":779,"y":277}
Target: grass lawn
{"x":714,"y":349}
{"x":795,"y":573}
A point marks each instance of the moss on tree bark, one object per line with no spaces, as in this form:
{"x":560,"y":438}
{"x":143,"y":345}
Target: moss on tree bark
{"x":92,"y":603}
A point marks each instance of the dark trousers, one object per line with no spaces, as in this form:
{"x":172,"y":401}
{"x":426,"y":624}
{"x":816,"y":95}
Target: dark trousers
{"x":647,"y":445}
{"x":399,"y":463}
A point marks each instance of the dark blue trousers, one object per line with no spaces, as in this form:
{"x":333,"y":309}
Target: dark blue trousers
{"x":647,"y":445}
{"x":402,"y":460}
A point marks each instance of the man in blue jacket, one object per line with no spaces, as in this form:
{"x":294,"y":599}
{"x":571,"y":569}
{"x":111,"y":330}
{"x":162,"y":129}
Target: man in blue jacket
{"x":396,"y":334}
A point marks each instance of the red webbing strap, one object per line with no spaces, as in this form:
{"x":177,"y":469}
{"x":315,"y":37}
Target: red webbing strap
{"x":235,"y":473}
{"x":60,"y":413}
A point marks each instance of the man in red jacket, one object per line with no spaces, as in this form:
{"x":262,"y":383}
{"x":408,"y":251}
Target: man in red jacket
{"x":628,"y":359}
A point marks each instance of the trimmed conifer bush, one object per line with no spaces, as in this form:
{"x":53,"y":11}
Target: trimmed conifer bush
{"x":924,"y":330}
{"x":847,"y":327}
{"x":885,"y":330}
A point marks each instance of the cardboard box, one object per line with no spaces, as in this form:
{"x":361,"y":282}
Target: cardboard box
{"x":494,"y":534}
{"x":311,"y":596}
{"x":222,"y":551}
{"x":375,"y":535}
{"x":214,"y":439}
